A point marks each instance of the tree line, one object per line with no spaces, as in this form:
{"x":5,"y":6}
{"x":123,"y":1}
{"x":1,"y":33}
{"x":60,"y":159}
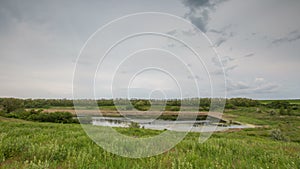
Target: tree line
{"x":8,"y":105}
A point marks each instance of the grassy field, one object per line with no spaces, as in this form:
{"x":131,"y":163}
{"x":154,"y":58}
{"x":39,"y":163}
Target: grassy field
{"x":47,"y":145}
{"x":260,"y":116}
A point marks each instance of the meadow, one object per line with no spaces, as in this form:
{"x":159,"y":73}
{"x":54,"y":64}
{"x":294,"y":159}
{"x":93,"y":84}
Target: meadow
{"x":26,"y":144}
{"x":273,"y":143}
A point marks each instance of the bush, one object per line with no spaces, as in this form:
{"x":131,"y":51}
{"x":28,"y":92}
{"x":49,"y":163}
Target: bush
{"x":38,"y":115}
{"x":278,"y":135}
{"x":289,"y":111}
{"x":128,"y":107}
{"x":278,"y":104}
{"x":56,"y":117}
{"x":272,"y":113}
{"x":242,"y":102}
{"x":142,"y":105}
{"x":134,"y":125}
{"x":258,"y":110}
{"x":229,"y":106}
{"x":282,"y":111}
{"x":175,"y":108}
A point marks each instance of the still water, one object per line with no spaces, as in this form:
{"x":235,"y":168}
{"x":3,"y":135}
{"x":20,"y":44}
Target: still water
{"x":155,"y":124}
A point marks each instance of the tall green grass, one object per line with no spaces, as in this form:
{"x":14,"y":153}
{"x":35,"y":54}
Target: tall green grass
{"x":45,"y":145}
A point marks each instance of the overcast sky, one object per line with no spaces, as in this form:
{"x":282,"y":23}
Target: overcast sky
{"x":258,"y":43}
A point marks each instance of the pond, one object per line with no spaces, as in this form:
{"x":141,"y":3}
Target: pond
{"x":158,"y":124}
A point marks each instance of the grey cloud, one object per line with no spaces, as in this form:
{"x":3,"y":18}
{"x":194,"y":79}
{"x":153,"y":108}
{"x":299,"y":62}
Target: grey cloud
{"x":249,"y":55}
{"x":290,"y":37}
{"x":40,"y":41}
{"x":224,"y":35}
{"x":220,"y":41}
{"x":199,"y":11}
{"x":267,"y":88}
{"x":215,"y":31}
{"x":224,"y":64}
{"x":195,"y":4}
{"x":258,"y":86}
{"x":200,"y":21}
{"x":223,"y":61}
{"x":223,"y":31}
{"x":196,"y":77}
{"x":172,"y":32}
{"x":231,"y":85}
{"x":189,"y":32}
{"x":176,"y":32}
{"x":225,"y":71}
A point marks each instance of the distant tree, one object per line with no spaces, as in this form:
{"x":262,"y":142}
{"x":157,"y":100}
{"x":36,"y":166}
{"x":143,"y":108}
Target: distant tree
{"x":278,"y":104}
{"x":142,"y":105}
{"x":11,"y":104}
{"x":174,"y":102}
{"x":242,"y":102}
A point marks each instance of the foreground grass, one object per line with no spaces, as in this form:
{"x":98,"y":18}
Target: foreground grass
{"x":45,"y":145}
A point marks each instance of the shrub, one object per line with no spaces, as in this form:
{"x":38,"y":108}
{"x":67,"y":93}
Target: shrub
{"x":229,"y":106}
{"x":289,"y":111}
{"x":142,"y":105}
{"x":242,"y":102}
{"x":38,"y":115}
{"x":272,"y":113}
{"x":203,"y":108}
{"x":282,"y":111}
{"x":258,"y":110}
{"x":278,"y":104}
{"x":128,"y":107}
{"x":175,"y":108}
{"x":134,"y":125}
{"x":278,"y":135}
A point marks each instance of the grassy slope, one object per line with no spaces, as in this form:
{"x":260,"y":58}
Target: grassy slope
{"x":290,"y":125}
{"x":45,"y":145}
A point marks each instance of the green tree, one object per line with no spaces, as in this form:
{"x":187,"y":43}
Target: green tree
{"x":11,"y":104}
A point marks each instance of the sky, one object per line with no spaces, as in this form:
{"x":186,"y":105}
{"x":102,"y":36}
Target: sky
{"x":55,"y":49}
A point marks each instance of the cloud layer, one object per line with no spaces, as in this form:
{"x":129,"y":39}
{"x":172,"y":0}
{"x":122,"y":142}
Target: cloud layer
{"x":258,"y":51}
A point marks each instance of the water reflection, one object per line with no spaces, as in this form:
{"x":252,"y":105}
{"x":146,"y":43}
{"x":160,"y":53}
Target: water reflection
{"x":158,"y":124}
